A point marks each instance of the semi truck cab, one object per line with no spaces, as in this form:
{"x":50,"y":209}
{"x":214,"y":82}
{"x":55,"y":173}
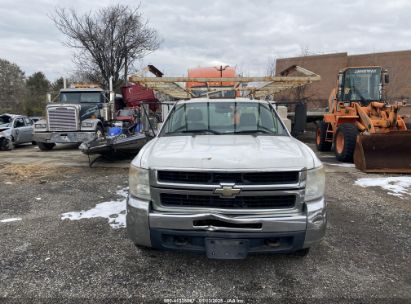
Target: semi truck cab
{"x":80,"y":114}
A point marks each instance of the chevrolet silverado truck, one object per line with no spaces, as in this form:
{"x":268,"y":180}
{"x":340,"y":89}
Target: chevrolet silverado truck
{"x":225,"y":178}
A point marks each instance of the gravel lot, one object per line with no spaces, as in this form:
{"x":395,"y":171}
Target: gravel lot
{"x":364,"y":258}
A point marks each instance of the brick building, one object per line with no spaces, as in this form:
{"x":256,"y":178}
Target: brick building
{"x":327,"y":66}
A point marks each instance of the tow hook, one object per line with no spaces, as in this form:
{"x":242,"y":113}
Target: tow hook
{"x":273,"y":242}
{"x":180,"y":241}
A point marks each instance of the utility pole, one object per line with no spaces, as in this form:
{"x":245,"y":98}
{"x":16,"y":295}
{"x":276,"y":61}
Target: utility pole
{"x":221,"y":69}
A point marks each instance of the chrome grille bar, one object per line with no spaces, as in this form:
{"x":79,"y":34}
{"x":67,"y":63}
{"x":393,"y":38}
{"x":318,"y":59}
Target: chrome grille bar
{"x":62,"y":118}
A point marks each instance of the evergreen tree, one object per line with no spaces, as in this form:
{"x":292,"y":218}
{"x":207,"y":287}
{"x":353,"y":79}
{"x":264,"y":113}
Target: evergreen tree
{"x":37,"y":87}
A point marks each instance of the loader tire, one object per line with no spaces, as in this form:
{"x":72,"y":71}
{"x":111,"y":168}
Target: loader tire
{"x":321,"y":135}
{"x":345,"y":141}
{"x":45,"y":146}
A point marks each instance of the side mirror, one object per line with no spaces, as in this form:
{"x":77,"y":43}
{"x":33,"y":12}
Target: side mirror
{"x":48,"y":97}
{"x":386,"y":78}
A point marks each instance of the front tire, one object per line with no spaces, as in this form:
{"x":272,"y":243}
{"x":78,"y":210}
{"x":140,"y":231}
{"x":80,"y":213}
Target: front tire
{"x":321,"y":136}
{"x":301,"y":253}
{"x":45,"y":146}
{"x":345,"y":141}
{"x":6,"y":144}
{"x":145,"y":249}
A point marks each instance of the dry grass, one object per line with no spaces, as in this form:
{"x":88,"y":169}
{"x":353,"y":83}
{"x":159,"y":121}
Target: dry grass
{"x":22,"y":172}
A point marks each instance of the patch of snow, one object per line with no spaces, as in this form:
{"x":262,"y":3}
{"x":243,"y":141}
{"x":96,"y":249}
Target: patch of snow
{"x":8,"y":183}
{"x":114,"y":211}
{"x":345,"y":165}
{"x":38,"y":198}
{"x":13,"y":219}
{"x":396,"y":185}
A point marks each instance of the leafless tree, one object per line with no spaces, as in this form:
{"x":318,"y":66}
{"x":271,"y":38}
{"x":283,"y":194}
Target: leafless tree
{"x":270,"y":68}
{"x":107,"y":42}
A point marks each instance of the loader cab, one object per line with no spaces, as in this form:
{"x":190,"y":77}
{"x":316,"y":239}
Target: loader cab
{"x":363,"y":85}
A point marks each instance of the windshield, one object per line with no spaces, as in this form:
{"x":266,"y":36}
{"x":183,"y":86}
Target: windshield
{"x":213,"y":92}
{"x":125,"y":112}
{"x":222,"y":117}
{"x":81,"y":97}
{"x":362,"y":84}
{"x":5,"y":121}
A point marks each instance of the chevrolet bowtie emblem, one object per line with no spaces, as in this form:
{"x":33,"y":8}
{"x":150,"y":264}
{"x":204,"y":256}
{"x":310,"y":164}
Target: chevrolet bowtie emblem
{"x":227,"y":191}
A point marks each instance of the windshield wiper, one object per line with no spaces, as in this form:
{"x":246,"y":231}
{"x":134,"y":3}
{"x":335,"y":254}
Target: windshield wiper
{"x":201,"y":131}
{"x":263,"y":131}
{"x":198,"y":131}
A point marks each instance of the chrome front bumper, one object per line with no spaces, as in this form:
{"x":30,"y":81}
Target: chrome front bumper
{"x":63,"y":137}
{"x":141,"y":221}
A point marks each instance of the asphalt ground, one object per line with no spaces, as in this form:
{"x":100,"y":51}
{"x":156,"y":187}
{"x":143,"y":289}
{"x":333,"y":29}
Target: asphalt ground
{"x":364,"y":258}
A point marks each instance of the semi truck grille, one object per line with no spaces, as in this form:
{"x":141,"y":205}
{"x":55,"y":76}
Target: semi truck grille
{"x":62,"y":119}
{"x":239,"y":202}
{"x":260,"y":178}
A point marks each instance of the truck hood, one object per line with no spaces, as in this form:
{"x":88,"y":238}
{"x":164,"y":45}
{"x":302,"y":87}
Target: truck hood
{"x":226,"y":152}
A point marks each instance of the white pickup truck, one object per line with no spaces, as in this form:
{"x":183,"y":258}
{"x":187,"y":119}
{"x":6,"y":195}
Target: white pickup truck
{"x":225,"y":178}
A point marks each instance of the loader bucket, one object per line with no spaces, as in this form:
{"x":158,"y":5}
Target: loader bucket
{"x":384,"y":152}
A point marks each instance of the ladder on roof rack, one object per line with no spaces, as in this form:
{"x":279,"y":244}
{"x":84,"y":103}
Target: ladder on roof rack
{"x":255,"y":87}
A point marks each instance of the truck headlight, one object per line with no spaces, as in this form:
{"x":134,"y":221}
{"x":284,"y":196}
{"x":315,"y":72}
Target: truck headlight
{"x":86,"y":124}
{"x":139,"y":183}
{"x":315,"y":184}
{"x":40,"y":126}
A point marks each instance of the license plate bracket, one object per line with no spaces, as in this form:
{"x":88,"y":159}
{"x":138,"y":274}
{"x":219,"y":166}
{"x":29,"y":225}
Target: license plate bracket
{"x":226,"y":249}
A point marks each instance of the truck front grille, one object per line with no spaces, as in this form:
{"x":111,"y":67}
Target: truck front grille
{"x":239,"y":202}
{"x":246,"y":178}
{"x":62,"y":118}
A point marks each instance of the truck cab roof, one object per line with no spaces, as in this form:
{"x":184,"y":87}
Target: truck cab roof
{"x":82,"y":90}
{"x":238,"y":99}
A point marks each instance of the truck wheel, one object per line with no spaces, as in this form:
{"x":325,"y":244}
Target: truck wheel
{"x":301,"y":253}
{"x":45,"y":146}
{"x":344,"y":142}
{"x":144,"y":249}
{"x":321,"y":135}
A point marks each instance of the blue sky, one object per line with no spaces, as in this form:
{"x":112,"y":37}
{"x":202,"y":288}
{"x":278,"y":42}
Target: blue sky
{"x":248,"y":34}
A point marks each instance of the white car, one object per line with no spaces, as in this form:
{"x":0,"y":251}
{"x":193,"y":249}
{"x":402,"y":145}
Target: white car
{"x":225,"y":178}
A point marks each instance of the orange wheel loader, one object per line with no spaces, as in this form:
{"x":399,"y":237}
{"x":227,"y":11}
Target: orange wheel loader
{"x":362,"y":126}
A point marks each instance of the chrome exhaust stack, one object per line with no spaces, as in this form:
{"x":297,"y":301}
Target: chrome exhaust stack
{"x":108,"y":108}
